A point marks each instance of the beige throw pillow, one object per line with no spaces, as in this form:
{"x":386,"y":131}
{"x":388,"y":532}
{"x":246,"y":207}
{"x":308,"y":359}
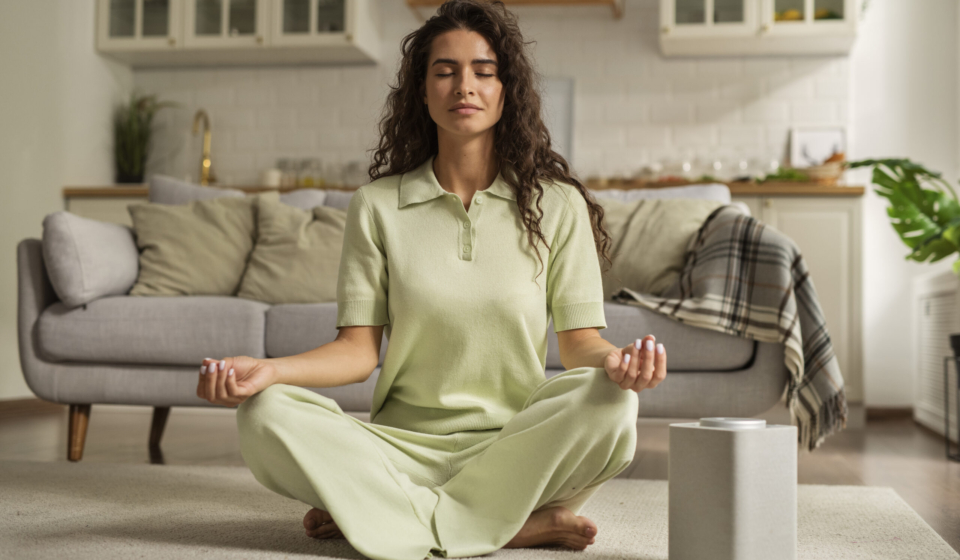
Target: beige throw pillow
{"x":297,"y":255}
{"x":649,"y":241}
{"x":199,"y":248}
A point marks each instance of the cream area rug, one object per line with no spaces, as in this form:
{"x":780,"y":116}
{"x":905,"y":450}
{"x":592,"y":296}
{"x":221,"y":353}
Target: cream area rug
{"x":90,"y":510}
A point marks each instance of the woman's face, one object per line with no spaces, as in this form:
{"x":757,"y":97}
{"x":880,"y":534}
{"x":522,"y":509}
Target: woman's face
{"x":462,"y":68}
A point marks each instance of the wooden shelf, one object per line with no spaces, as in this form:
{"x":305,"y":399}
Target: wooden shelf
{"x":615,"y":5}
{"x":120,"y":191}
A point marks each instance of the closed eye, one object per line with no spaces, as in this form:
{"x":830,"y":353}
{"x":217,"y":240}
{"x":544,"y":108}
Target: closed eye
{"x":451,"y":74}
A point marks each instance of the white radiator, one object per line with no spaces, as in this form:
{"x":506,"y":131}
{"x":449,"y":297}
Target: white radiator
{"x":936,"y":298}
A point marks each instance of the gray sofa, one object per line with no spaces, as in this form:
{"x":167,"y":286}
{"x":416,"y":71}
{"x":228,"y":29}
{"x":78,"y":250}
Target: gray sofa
{"x":128,"y":350}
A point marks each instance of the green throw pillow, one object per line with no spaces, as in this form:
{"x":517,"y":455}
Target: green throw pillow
{"x":194,"y":249}
{"x":297,"y":255}
{"x":649,"y":241}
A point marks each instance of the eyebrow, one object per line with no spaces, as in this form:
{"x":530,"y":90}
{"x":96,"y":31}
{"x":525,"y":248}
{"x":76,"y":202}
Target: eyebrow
{"x":455,"y":63}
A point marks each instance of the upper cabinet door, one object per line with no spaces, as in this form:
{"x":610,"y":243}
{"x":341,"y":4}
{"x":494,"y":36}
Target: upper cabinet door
{"x":809,"y":17}
{"x":226,"y":23}
{"x":141,"y":25}
{"x":708,"y":18}
{"x":312,"y":22}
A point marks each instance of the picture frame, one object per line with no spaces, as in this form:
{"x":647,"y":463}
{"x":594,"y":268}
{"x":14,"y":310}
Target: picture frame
{"x":812,"y":145}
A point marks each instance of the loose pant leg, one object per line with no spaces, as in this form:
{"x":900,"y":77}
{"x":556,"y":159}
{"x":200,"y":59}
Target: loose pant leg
{"x":301,"y":445}
{"x":576,"y":431}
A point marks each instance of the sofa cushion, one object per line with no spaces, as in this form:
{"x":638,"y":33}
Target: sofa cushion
{"x":294,"y":328}
{"x":338,"y":199}
{"x":168,"y":190}
{"x":712,"y":191}
{"x":179,"y":330}
{"x":304,"y":199}
{"x":297,"y":254}
{"x":193,"y":249}
{"x":87,"y":259}
{"x":688,"y":348}
{"x":649,"y":241}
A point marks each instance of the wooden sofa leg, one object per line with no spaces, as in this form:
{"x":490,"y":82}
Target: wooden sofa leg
{"x":79,"y":419}
{"x":160,"y":414}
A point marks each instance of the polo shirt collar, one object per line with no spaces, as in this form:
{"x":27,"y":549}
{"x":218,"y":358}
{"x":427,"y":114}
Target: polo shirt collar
{"x":421,"y":185}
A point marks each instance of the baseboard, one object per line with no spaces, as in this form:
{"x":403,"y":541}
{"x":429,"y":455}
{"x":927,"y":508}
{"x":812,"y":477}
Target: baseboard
{"x":23,"y":407}
{"x":878,"y":413}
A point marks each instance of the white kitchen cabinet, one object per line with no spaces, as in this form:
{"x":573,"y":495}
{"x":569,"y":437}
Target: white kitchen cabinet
{"x":225,"y":23}
{"x":757,"y":27}
{"x":139,"y":25}
{"x":827,"y":230}
{"x":238,"y":32}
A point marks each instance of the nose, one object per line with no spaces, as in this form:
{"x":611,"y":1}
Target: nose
{"x":465,"y":84}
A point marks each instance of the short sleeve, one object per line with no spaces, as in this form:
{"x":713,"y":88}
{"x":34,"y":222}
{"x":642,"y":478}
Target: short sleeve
{"x":362,"y":283}
{"x":574,"y":283}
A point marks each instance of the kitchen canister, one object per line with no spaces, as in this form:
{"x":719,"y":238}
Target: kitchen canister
{"x":732,"y":490}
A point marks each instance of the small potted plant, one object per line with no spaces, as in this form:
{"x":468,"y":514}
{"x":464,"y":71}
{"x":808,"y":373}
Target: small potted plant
{"x":132,"y":128}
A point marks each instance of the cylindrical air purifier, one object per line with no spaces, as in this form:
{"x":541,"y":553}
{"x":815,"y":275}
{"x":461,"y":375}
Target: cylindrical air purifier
{"x":732,"y":490}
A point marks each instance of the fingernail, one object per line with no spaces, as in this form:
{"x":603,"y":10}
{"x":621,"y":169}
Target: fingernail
{"x":203,"y":370}
{"x":230,"y":372}
{"x":649,"y":345}
{"x":626,"y":358}
{"x":659,"y":348}
{"x":636,"y":344}
{"x":223,"y":364}
{"x":212,"y":368}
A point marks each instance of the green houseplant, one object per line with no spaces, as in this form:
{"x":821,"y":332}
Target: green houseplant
{"x":132,"y":127}
{"x":927,"y":219}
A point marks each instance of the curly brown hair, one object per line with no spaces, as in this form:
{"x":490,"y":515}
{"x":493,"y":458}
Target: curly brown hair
{"x":408,"y":135}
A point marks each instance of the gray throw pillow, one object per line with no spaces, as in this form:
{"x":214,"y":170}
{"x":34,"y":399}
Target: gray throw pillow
{"x":167,"y":190}
{"x":338,"y":199}
{"x":88,"y":259}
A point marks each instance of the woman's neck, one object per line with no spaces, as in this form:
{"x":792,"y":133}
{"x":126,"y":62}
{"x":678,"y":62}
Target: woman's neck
{"x":465,"y":166}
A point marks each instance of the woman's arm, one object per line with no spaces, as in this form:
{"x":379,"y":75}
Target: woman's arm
{"x":350,"y":358}
{"x":638,"y":366}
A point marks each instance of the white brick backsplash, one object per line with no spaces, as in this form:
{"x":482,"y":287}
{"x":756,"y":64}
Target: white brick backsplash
{"x":631,"y":104}
{"x":694,"y":135}
{"x":767,"y":111}
{"x":813,"y":111}
{"x":715,"y":111}
{"x":671,"y":112}
{"x":648,"y":136}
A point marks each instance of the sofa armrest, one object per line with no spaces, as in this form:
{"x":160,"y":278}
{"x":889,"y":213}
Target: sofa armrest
{"x":34,"y":294}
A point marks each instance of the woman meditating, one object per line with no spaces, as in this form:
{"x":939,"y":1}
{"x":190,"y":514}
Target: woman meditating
{"x":472,"y":235}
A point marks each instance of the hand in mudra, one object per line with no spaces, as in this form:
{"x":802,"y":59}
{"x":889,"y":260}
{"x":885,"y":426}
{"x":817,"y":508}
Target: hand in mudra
{"x":231,"y":381}
{"x":637,"y":367}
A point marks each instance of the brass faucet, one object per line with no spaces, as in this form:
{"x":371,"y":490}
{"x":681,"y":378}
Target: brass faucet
{"x":206,"y":168}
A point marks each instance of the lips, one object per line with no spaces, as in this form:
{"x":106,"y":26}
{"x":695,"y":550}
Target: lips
{"x":462,"y":106}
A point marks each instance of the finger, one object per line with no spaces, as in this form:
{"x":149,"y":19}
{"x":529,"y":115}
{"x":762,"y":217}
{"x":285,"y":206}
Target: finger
{"x":616,"y":371}
{"x":645,"y":372}
{"x":201,"y":382}
{"x":631,"y":376}
{"x":660,"y":372}
{"x":211,"y":381}
{"x":232,"y":389}
{"x":222,"y":396}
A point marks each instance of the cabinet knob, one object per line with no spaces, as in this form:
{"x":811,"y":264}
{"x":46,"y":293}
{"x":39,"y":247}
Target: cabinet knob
{"x":768,"y":202}
{"x":349,"y":36}
{"x":171,"y":41}
{"x":665,"y":29}
{"x":259,"y":39}
{"x":765,"y":28}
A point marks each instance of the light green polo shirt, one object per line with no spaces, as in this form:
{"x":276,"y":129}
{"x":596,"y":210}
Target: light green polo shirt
{"x":465,"y":317}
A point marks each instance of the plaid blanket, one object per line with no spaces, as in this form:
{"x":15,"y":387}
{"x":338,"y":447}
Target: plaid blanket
{"x":745,"y":278}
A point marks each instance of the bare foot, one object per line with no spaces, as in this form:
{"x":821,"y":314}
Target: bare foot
{"x":320,"y":525}
{"x":555,"y":526}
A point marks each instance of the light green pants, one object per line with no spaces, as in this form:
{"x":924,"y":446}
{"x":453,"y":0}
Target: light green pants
{"x":403,"y":495}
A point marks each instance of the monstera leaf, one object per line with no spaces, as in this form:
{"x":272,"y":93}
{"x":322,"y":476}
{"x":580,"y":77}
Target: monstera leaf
{"x":927,"y":220}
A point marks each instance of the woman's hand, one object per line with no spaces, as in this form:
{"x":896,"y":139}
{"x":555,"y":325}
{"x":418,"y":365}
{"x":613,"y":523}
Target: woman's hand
{"x":637,"y":367}
{"x":231,"y":381}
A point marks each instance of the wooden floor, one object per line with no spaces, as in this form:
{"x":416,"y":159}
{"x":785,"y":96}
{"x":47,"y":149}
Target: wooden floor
{"x":897,"y":453}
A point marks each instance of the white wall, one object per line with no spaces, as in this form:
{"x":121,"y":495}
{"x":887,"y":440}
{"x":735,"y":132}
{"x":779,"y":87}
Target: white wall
{"x":904,"y":103}
{"x":54,"y":130}
{"x":632,"y":106}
